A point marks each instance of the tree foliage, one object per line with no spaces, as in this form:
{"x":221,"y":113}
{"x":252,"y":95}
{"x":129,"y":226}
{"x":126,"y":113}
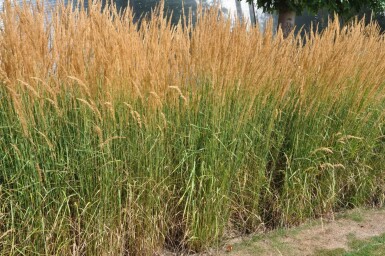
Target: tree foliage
{"x":342,"y":7}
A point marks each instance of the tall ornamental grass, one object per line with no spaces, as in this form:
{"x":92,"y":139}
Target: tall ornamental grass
{"x":120,"y":139}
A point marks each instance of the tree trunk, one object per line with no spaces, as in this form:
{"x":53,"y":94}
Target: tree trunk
{"x":286,"y":21}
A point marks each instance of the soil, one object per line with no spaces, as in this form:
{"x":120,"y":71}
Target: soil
{"x":307,"y":239}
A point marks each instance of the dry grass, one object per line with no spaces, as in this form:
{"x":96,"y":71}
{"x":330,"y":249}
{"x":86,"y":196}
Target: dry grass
{"x":103,"y":48}
{"x":121,"y":139}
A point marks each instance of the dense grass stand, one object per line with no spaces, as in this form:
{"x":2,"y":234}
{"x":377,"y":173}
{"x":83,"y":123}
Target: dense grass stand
{"x":117,"y":139}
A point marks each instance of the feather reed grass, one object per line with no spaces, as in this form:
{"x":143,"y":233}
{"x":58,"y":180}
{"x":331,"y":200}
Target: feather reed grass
{"x":126,"y":139}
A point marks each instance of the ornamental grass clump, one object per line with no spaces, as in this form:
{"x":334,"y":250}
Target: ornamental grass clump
{"x":118,"y":138}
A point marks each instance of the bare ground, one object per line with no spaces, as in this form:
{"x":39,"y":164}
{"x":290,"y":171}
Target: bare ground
{"x":306,"y":239}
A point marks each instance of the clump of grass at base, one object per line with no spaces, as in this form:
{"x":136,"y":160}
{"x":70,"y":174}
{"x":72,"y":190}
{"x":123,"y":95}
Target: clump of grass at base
{"x":118,"y":139}
{"x":331,"y":252}
{"x":357,"y":247}
{"x":373,"y":246}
